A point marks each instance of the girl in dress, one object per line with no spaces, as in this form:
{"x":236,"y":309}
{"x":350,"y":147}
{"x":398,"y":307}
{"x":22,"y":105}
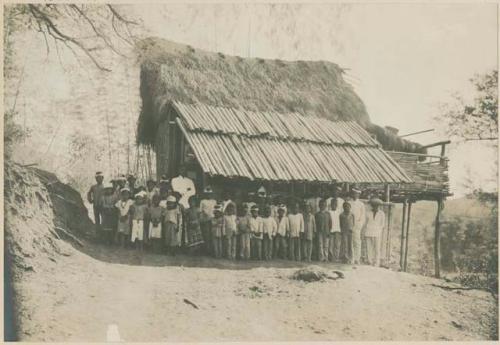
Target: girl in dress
{"x":156,"y":214}
{"x":139,"y":211}
{"x":194,"y":235}
{"x":124,"y":206}
{"x":173,"y":225}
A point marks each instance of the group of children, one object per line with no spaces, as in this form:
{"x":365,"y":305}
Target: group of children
{"x":326,"y":229}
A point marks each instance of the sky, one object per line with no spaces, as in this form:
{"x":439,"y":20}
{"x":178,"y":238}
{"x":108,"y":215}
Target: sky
{"x":402,"y":59}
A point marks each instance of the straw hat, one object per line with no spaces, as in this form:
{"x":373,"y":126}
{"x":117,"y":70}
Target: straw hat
{"x":99,"y":173}
{"x":125,"y":189}
{"x":171,"y":198}
{"x":376,"y":201}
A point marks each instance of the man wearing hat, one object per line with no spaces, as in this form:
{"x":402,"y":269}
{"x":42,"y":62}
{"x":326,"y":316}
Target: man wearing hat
{"x":184,"y":186}
{"x":131,"y":186}
{"x":359,"y":212}
{"x":375,"y":222}
{"x":94,"y":196}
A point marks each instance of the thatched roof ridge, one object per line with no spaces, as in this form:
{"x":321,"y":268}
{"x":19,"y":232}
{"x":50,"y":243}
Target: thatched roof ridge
{"x":176,"y":72}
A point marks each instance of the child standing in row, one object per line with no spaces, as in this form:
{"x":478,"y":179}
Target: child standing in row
{"x":207,"y":205}
{"x":244,"y":231}
{"x":173,"y":225}
{"x":282,"y":232}
{"x":217,"y":230}
{"x":124,"y":206}
{"x":346,"y":227}
{"x":269,"y":228}
{"x":138,"y":211}
{"x":296,"y":221}
{"x":323,"y":226}
{"x":156,"y":214}
{"x":194,"y":236}
{"x":256,"y":230}
{"x":309,"y":232}
{"x":230,"y":231}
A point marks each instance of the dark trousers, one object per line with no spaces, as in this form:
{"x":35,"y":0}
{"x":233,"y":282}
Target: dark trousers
{"x":294,"y":248}
{"x":207,"y":237}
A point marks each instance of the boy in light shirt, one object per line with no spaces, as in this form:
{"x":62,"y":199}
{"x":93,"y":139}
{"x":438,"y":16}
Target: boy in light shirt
{"x":269,"y":228}
{"x":256,"y":231}
{"x":296,"y":221}
{"x":230,"y":231}
{"x":207,"y":205}
{"x":335,"y":234}
{"x":323,"y":226}
{"x":282,"y":233}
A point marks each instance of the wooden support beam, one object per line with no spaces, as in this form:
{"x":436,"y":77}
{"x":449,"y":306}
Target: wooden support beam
{"x":437,"y":240}
{"x":439,"y":143}
{"x":401,"y":252}
{"x":388,"y":240}
{"x":408,"y":219}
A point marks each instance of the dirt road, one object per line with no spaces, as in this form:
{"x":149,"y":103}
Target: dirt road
{"x":108,"y":293}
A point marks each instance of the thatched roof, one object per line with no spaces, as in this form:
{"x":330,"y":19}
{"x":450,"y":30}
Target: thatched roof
{"x":175,"y":72}
{"x":270,"y":146}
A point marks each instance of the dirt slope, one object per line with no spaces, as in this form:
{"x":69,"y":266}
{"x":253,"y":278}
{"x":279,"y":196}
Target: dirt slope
{"x":81,"y":298}
{"x":89,"y":292}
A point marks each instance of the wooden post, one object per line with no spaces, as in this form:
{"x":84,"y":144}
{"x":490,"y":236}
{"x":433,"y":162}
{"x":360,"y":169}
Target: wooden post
{"x":443,"y":150}
{"x":401,"y":252}
{"x":388,"y":244}
{"x":388,"y":238}
{"x":408,"y":219}
{"x":437,"y":240}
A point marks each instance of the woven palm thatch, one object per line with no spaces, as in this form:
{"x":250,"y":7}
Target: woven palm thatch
{"x":175,"y":72}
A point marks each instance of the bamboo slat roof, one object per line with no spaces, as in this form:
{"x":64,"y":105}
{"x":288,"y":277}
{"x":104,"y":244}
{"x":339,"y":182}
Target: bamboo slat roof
{"x":283,"y":147}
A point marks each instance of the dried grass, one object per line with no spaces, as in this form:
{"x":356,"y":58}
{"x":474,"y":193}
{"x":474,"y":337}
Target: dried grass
{"x":171,"y":71}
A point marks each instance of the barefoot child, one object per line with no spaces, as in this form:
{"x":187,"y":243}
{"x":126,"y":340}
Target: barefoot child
{"x":269,"y":228}
{"x":296,"y":221}
{"x":194,"y":236}
{"x":230,"y":231}
{"x":138,"y":211}
{"x":256,"y":230}
{"x":173,"y":225}
{"x":124,"y":206}
{"x":282,"y":233}
{"x":244,"y":231}
{"x":217,"y":230}
{"x":156,"y":214}
{"x":347,"y":223}
{"x":309,"y":232}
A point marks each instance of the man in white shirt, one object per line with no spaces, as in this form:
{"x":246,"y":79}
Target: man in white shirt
{"x":359,"y":212}
{"x":375,"y":222}
{"x":184,"y":186}
{"x":335,"y":234}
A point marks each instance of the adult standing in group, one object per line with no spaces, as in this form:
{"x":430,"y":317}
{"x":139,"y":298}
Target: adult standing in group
{"x":184,"y":186}
{"x":131,"y":186}
{"x":359,"y":212}
{"x":375,"y":222}
{"x":94,"y":196}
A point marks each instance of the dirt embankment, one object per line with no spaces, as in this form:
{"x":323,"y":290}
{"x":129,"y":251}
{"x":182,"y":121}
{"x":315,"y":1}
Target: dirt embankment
{"x":69,"y":289}
{"x":42,"y":216}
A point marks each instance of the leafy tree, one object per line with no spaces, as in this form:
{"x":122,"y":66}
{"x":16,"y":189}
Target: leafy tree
{"x":86,"y":30}
{"x":476,"y":119}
